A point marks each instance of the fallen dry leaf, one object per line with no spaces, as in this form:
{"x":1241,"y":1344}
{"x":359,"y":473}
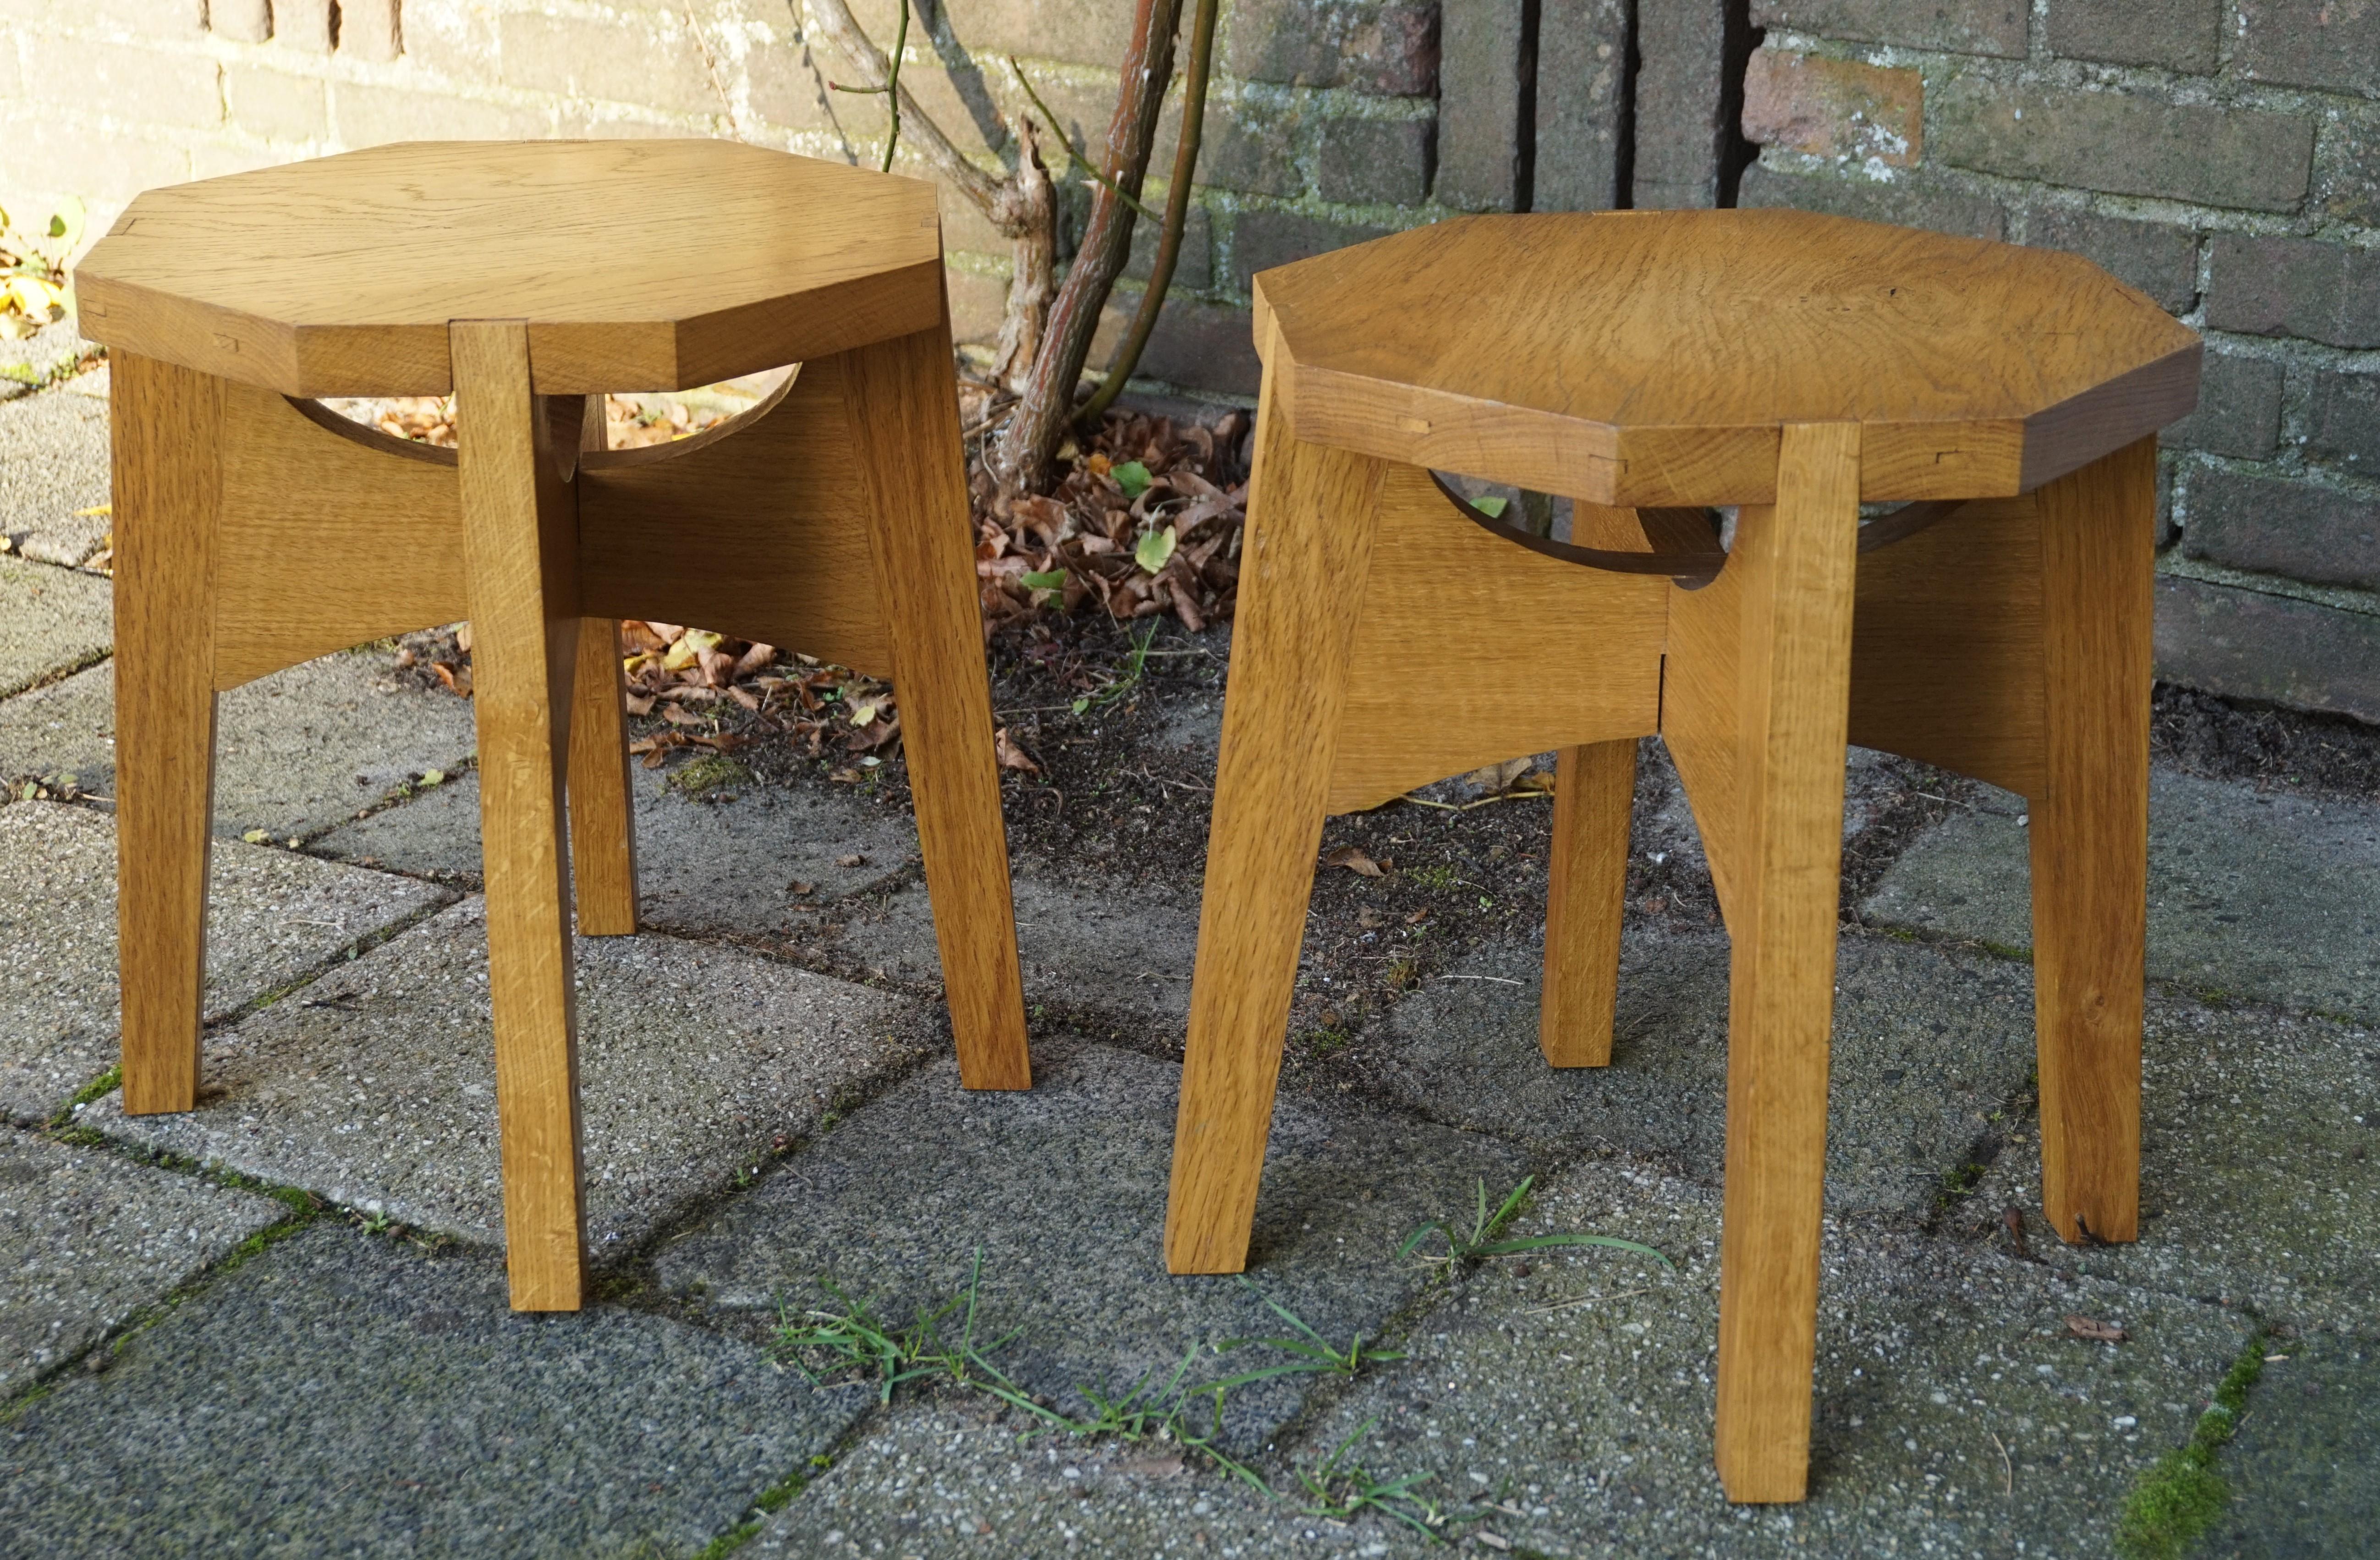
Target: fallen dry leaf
{"x":854,"y":860}
{"x":798,"y":886}
{"x":1010,"y":756}
{"x":1368,"y":918}
{"x":2094,"y":1331}
{"x":1355,"y":861}
{"x":1500,"y":776}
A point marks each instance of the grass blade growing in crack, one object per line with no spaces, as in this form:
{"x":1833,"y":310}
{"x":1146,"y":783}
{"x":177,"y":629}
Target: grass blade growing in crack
{"x":1315,"y":1355}
{"x":1481,"y":1242}
{"x":1341,"y":1492}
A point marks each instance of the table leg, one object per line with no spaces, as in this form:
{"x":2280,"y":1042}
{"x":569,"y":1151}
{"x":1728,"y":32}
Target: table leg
{"x":1301,"y":580}
{"x":603,"y":822}
{"x":898,"y":398}
{"x":1587,"y":891}
{"x":520,"y":549}
{"x":168,"y":438}
{"x":2089,"y":836}
{"x":1798,"y":560}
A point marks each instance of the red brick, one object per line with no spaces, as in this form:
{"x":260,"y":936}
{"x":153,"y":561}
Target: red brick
{"x":2295,"y":286}
{"x":2268,"y":525}
{"x":2249,"y":645}
{"x":1389,"y":49}
{"x":1834,"y":108}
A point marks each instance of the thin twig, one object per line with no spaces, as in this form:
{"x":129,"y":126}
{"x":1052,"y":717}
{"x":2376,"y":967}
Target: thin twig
{"x":2008,"y":1468}
{"x":1467,"y":806}
{"x":1500,"y":980}
{"x":1583,"y":1300}
{"x":1068,"y":142}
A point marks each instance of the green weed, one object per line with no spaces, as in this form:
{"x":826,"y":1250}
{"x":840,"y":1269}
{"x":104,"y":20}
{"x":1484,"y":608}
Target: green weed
{"x":1341,"y":1489}
{"x":1481,"y":1242}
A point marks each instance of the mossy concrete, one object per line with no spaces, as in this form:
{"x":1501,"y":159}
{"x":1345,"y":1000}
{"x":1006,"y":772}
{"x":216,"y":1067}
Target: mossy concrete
{"x":52,"y":620}
{"x":295,"y":753}
{"x":2254,"y":893}
{"x":375,"y":1086}
{"x":87,"y":1239}
{"x":343,"y":1393}
{"x":1063,"y":1190}
{"x":273,"y":917}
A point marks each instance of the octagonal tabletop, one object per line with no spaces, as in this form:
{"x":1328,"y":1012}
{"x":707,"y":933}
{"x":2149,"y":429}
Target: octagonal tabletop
{"x":638,"y":264}
{"x":1651,"y":358}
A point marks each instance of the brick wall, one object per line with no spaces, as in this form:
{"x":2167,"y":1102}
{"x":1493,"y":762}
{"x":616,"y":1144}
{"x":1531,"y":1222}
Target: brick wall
{"x":2221,"y":155}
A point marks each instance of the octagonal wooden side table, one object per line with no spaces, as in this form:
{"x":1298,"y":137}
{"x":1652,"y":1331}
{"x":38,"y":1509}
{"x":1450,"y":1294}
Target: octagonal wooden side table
{"x":255,"y":530}
{"x":1649,"y":365}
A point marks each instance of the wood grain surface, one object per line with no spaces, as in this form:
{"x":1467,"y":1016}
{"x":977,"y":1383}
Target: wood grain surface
{"x":2089,"y":836}
{"x":1946,"y":645}
{"x":1796,"y":563}
{"x":1307,"y":552}
{"x":773,"y":491}
{"x":603,"y":819}
{"x":338,"y":275}
{"x":520,"y":548}
{"x":167,"y":469}
{"x":899,"y":402}
{"x":1490,"y":617}
{"x":1650,"y":358}
{"x":1587,"y":891}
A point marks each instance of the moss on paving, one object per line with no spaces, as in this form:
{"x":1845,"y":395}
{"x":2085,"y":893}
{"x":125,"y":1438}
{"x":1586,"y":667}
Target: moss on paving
{"x":2178,"y":1501}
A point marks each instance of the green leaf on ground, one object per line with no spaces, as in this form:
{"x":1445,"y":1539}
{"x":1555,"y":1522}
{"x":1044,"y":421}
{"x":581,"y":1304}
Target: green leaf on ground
{"x":1155,"y":547}
{"x":1133,"y":477}
{"x":1491,"y":507}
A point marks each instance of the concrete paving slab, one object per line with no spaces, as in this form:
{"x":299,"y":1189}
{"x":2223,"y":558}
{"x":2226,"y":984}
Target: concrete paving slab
{"x":52,"y":620}
{"x":726,"y":863}
{"x":1090,"y":955}
{"x":948,"y":1479}
{"x":375,"y":1086}
{"x":273,"y":918}
{"x":2260,"y":1166}
{"x":52,"y":465}
{"x":1063,"y":1188}
{"x":87,"y":1238}
{"x":2256,"y":894}
{"x":1568,"y":1410}
{"x":295,"y":753}
{"x":718,"y":863}
{"x":1929,"y":1046}
{"x":342,"y":1394}
{"x":2305,"y":1483}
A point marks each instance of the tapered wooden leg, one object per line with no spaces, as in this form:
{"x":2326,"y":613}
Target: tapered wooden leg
{"x":168,"y":432}
{"x":2090,"y":839}
{"x":899,"y":401}
{"x":1301,"y":575}
{"x":1586,"y":892}
{"x":1793,"y":682}
{"x":603,"y":822}
{"x":520,"y":550}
